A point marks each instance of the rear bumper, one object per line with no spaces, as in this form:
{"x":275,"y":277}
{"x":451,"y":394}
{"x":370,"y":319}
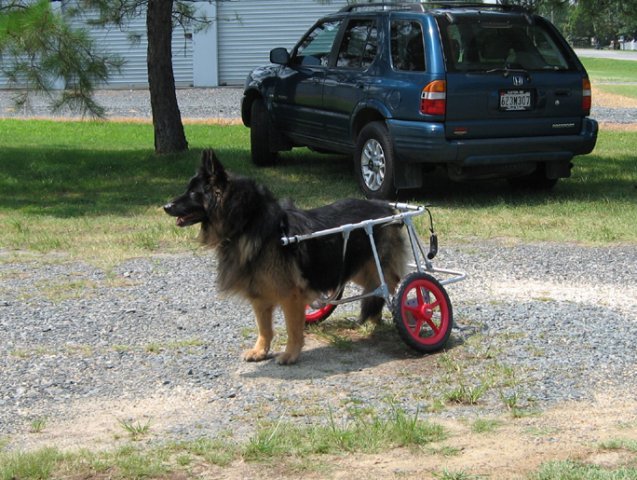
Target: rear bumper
{"x":422,"y":142}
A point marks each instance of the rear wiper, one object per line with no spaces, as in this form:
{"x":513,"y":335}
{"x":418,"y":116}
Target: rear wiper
{"x":506,"y":71}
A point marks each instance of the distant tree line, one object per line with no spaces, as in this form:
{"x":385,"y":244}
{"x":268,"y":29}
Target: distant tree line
{"x":606,"y":21}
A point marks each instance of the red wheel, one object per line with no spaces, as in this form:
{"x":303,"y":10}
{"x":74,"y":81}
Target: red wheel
{"x":422,"y":313}
{"x":318,"y":310}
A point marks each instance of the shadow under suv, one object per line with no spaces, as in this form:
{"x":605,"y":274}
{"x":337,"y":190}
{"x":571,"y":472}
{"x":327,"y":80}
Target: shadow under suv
{"x":483,"y":91}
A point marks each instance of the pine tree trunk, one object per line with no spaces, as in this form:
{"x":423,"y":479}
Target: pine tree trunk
{"x":169,"y":130}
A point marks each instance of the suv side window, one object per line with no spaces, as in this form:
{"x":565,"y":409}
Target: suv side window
{"x":315,"y":48}
{"x":359,"y":46}
{"x":407,"y":47}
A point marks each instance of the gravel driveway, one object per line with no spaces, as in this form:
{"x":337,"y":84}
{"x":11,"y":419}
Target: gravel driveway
{"x":82,"y":347}
{"x":205,"y":104}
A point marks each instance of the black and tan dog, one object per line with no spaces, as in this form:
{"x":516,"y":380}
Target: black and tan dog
{"x":244,"y":223}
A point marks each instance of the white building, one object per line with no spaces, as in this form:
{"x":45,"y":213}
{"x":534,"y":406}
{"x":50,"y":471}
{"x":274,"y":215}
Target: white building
{"x":240,"y":37}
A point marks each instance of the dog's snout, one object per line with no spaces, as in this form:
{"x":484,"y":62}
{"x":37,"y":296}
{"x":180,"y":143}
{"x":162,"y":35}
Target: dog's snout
{"x":168,"y":207}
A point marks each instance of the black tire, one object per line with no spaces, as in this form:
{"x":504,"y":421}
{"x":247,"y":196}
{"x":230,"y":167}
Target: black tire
{"x":536,"y":181}
{"x":422,"y":313}
{"x":260,"y":135}
{"x":374,"y":162}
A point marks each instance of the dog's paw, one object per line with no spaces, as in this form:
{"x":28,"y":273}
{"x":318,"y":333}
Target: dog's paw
{"x":287,"y":358}
{"x":255,"y":355}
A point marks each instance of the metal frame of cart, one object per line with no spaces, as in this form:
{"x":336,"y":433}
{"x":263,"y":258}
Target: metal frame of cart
{"x":421,"y":307}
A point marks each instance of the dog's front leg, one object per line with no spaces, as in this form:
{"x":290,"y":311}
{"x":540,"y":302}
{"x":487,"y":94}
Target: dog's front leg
{"x":294,"y":312}
{"x":263,"y":313}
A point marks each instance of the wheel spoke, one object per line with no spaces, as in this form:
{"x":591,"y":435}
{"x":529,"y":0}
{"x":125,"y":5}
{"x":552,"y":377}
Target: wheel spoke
{"x":378,"y":181}
{"x":415,"y":310}
{"x":418,"y":326}
{"x":420,"y":296}
{"x":432,"y":325}
{"x":418,"y":311}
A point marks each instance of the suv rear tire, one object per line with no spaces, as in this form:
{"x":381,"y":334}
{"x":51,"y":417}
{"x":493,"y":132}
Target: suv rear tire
{"x":260,"y":147}
{"x":374,"y":162}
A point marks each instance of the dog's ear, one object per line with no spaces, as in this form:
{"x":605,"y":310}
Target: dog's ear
{"x":212,"y":168}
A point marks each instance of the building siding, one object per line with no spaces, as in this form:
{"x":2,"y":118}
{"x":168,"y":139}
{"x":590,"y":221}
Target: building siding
{"x":249,"y":29}
{"x":241,"y":36}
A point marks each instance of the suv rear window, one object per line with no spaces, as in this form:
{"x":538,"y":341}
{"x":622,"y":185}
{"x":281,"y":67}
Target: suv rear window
{"x":489,"y":46}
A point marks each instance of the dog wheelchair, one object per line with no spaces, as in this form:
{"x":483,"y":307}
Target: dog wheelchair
{"x":421,"y":307}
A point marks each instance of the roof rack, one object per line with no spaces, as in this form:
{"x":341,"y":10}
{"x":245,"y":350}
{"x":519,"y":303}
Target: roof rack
{"x":384,"y":6}
{"x":430,"y":5}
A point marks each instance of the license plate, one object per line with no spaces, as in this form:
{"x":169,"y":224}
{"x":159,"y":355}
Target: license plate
{"x":515,"y":100}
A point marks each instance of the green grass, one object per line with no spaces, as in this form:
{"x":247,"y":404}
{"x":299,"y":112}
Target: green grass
{"x":608,"y":75}
{"x":629,"y":91}
{"x":283,"y":443}
{"x":95,"y":191}
{"x":570,"y":470}
{"x":610,"y":70}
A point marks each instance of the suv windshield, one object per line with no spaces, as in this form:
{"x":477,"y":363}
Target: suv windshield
{"x":492,"y":46}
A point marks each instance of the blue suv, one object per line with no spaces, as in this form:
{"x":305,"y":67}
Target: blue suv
{"x":482,"y":91}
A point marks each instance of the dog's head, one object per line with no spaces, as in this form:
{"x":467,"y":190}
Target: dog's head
{"x":203,"y":195}
{"x":226,"y":206}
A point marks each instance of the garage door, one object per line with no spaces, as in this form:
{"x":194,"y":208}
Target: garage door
{"x":248,"y":30}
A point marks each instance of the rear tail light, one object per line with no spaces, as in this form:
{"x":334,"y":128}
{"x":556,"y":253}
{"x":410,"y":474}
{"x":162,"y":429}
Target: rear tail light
{"x":586,"y":96}
{"x":433,"y":99}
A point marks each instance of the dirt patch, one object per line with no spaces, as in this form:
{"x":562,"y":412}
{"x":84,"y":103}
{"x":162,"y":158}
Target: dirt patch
{"x":514,"y":448}
{"x":618,"y":127}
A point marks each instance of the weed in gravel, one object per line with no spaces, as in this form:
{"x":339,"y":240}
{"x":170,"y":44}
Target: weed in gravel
{"x":59,"y":290}
{"x":445,"y":451}
{"x":36,"y":351}
{"x":620,"y":444}
{"x":135,"y":429}
{"x":483,"y":425}
{"x":571,"y":470}
{"x":466,"y":394}
{"x":154,"y":347}
{"x":217,"y":451}
{"x":454,"y":475}
{"x":37,"y":425}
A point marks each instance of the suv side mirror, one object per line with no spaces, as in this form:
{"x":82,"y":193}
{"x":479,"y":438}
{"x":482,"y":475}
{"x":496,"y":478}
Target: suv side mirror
{"x":280,"y":56}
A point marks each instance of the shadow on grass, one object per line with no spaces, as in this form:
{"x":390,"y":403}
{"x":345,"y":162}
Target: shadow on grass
{"x":594,"y":178}
{"x":75,"y":182}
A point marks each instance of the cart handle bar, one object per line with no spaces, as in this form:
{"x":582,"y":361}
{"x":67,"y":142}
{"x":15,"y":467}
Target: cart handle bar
{"x":406,"y":211}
